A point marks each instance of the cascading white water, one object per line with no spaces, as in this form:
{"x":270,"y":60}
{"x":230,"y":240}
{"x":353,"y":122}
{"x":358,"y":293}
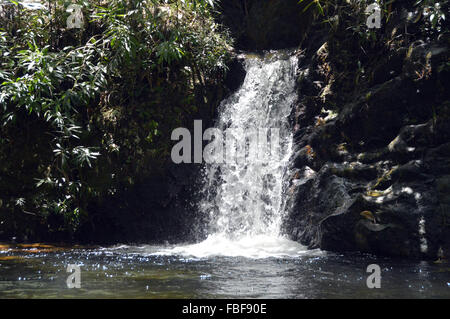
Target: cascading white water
{"x":247,"y":199}
{"x":244,"y":199}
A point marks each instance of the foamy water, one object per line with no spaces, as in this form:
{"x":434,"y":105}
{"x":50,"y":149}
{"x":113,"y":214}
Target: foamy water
{"x":258,"y":246}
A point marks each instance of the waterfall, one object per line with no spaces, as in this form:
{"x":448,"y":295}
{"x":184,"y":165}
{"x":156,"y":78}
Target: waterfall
{"x":243,"y":198}
{"x":247,"y":197}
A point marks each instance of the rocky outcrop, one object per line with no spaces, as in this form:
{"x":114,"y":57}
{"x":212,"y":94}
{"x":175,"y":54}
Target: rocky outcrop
{"x":371,"y":169}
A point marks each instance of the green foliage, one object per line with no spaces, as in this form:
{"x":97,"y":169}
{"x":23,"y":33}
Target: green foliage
{"x":84,"y":112}
{"x":318,"y":7}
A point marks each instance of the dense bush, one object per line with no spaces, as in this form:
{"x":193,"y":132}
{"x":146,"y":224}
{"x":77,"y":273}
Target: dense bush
{"x":86,"y":112}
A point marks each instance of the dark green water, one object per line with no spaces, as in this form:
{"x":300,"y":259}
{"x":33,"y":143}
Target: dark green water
{"x":134,"y":272}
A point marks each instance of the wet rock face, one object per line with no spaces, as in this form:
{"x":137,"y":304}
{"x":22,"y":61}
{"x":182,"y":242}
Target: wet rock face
{"x":236,"y":73}
{"x":371,"y":164}
{"x":158,"y":209}
{"x":264,"y":24}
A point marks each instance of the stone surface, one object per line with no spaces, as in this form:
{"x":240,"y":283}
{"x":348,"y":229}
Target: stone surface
{"x":375,"y":142}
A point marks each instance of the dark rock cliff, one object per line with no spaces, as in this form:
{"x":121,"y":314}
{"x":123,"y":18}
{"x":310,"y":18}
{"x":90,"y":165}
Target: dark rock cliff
{"x":371,"y":169}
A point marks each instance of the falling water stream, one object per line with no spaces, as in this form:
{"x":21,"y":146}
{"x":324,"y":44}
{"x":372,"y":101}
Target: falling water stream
{"x":245,"y":254}
{"x":244,"y":197}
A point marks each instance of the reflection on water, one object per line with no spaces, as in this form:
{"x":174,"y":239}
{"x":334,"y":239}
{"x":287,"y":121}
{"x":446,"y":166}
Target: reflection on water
{"x":137,"y":272}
